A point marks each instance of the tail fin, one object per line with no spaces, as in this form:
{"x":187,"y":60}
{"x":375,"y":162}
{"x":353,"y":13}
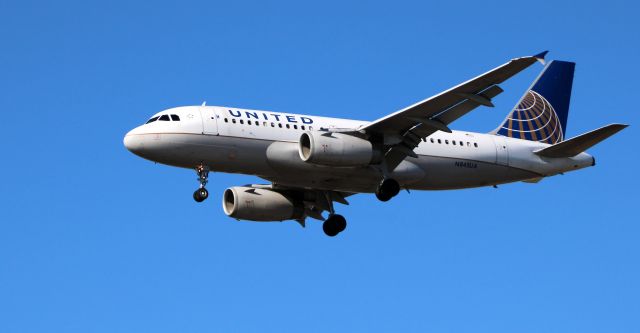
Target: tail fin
{"x":541,"y":114}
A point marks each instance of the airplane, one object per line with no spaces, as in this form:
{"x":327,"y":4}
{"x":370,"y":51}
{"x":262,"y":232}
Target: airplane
{"x":312,"y":162}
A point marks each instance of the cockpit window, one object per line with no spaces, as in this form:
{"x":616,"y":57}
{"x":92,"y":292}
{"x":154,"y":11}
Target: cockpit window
{"x":164,"y":117}
{"x":175,"y":117}
{"x":152,"y":119}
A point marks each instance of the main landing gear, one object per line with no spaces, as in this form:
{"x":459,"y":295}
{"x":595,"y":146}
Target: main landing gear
{"x":203,"y":177}
{"x":334,"y":225}
{"x":387,"y":189}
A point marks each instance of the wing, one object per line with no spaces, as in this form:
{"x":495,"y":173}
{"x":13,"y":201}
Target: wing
{"x":403,"y":130}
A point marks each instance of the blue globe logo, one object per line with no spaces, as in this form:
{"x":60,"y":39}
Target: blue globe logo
{"x":533,"y":119}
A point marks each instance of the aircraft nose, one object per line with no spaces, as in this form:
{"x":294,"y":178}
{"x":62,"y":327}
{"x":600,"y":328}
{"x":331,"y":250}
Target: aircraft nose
{"x":132,"y":142}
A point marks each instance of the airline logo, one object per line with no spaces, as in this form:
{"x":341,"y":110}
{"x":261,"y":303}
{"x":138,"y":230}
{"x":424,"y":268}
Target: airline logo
{"x":533,"y":119}
{"x":270,"y":117}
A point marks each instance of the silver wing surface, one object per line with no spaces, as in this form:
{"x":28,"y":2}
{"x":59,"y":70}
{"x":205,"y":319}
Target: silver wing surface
{"x":403,"y":130}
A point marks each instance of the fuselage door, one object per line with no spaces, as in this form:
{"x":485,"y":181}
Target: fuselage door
{"x":502,"y":150}
{"x":209,"y":120}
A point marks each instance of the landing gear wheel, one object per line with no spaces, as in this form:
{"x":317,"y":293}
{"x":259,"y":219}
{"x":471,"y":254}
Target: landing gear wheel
{"x":334,"y":225}
{"x":388,"y":189}
{"x":329,"y":229}
{"x":340,"y":223}
{"x":200,"y":194}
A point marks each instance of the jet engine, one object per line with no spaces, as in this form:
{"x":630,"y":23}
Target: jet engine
{"x":336,"y":149}
{"x":263,"y":205}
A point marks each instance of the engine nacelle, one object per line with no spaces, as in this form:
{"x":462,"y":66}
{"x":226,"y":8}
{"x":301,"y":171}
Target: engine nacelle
{"x":335,"y":149}
{"x":256,"y":204}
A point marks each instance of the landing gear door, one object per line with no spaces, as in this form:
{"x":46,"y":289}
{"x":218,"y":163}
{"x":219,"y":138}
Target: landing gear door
{"x":502,"y":150}
{"x":209,"y":120}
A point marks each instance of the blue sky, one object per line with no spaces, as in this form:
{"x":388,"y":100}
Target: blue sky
{"x":94,"y":239}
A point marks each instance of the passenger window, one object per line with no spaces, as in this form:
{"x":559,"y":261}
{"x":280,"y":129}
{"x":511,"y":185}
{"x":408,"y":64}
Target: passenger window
{"x":439,"y":141}
{"x":461,"y":143}
{"x":475,"y":144}
{"x":175,"y":117}
{"x":468,"y":144}
{"x":257,"y":123}
{"x":273,"y":125}
{"x":302,"y":127}
{"x":233,"y":121}
{"x":152,"y":120}
{"x":248,"y":122}
{"x":446,"y":141}
{"x":279,"y":125}
{"x":241,"y":121}
{"x":288,"y":126}
{"x":164,"y":117}
{"x":264,"y":123}
{"x":453,"y":142}
{"x":310,"y":128}
{"x":431,"y":140}
{"x":226,"y":120}
{"x":295,"y":126}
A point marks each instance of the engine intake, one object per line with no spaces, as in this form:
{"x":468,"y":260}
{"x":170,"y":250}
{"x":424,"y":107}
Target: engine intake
{"x":262,"y":205}
{"x":335,"y":149}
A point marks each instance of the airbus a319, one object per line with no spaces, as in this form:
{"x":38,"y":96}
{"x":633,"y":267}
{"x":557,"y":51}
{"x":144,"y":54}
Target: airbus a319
{"x":312,"y":162}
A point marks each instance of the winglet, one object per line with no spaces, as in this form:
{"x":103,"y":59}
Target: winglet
{"x":540,"y":56}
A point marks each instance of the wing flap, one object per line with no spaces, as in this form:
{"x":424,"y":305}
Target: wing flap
{"x":459,"y":110}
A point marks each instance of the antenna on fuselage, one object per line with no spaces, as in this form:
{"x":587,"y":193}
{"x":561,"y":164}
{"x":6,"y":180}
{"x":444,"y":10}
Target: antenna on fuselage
{"x":204,"y":103}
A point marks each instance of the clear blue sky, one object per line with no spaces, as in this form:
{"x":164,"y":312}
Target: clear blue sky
{"x":95,"y":239}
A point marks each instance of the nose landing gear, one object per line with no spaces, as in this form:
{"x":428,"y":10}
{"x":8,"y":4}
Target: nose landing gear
{"x":200,"y":194}
{"x":203,"y":177}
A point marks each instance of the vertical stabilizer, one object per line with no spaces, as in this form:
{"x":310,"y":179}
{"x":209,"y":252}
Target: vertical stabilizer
{"x":541,"y":114}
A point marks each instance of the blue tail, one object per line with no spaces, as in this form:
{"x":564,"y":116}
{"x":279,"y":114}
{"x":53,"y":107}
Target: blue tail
{"x":541,"y":114}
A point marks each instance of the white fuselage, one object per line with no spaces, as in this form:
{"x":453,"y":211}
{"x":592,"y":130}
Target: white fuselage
{"x":265,"y":144}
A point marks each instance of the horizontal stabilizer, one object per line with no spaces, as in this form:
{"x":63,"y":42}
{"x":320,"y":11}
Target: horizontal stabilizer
{"x":580,"y":143}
